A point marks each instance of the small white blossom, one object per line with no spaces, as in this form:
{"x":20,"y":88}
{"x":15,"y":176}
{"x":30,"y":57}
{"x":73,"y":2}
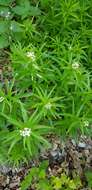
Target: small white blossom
{"x":8,"y":15}
{"x":31,"y":55}
{"x":1,"y":99}
{"x":75,"y":65}
{"x":48,"y":106}
{"x":25,"y":132}
{"x":86,"y":123}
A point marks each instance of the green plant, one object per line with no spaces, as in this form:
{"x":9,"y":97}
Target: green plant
{"x":50,"y":56}
{"x":26,"y":134}
{"x":12,"y":29}
{"x":64,"y":182}
{"x":40,"y":180}
{"x":24,"y":63}
{"x":88,"y":175}
{"x":47,"y":102}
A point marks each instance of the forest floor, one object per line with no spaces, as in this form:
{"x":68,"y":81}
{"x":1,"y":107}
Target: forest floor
{"x":73,"y":158}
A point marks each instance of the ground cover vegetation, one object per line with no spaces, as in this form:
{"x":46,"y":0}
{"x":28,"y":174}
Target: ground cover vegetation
{"x":45,"y":75}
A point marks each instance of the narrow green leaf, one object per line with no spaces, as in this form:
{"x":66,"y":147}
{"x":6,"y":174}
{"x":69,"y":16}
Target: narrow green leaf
{"x":12,"y":121}
{"x":17,"y":138}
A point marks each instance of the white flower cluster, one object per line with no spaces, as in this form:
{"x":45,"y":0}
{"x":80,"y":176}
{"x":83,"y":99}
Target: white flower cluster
{"x":75,"y":65}
{"x":7,"y":15}
{"x":86,"y":123}
{"x":31,"y":55}
{"x":25,"y":132}
{"x":1,"y":99}
{"x":48,"y":106}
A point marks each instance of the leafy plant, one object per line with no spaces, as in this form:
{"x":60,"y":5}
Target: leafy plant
{"x":38,"y":177}
{"x":88,"y":175}
{"x":50,"y":78}
{"x":49,"y":105}
{"x":24,"y":9}
{"x":10,"y":29}
{"x":26,"y":134}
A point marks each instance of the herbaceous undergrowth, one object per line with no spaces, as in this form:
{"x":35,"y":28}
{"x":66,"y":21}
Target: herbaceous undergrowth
{"x":46,"y":74}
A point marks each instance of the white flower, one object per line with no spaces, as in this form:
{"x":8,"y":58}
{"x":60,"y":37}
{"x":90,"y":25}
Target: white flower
{"x":1,"y":99}
{"x":86,"y":123}
{"x":8,"y":15}
{"x":31,"y":55}
{"x":25,"y":132}
{"x":48,"y":106}
{"x":75,"y":65}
